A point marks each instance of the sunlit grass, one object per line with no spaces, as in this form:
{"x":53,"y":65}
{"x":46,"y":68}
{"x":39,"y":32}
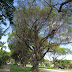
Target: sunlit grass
{"x":15,"y":68}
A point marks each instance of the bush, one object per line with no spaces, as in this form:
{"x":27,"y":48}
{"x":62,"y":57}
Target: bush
{"x":3,"y":57}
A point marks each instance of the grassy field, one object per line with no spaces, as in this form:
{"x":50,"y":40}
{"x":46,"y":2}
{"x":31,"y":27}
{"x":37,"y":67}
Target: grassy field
{"x":16,"y":68}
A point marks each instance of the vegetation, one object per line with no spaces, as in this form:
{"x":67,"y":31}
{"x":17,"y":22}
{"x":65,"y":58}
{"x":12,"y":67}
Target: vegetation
{"x":3,"y":57}
{"x":15,"y":68}
{"x":64,"y":64}
{"x":56,"y":52}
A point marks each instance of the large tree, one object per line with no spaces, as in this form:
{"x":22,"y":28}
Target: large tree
{"x":32,"y":20}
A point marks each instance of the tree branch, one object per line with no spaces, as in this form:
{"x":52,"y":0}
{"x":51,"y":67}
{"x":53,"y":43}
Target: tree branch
{"x":24,"y":42}
{"x":60,"y":9}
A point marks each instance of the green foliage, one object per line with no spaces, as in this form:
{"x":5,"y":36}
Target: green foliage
{"x":19,"y":51}
{"x":4,"y":56}
{"x":2,"y":45}
{"x":61,"y":51}
{"x":12,"y":61}
{"x":64,"y":63}
{"x":14,"y":55}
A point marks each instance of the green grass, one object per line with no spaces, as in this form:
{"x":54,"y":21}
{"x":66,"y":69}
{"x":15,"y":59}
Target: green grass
{"x":42,"y":67}
{"x":67,"y":69}
{"x":16,"y":68}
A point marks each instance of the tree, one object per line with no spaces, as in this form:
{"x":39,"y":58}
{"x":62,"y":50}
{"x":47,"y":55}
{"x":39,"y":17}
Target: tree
{"x":32,"y":20}
{"x":56,"y":52}
{"x":64,"y":63}
{"x":19,"y":50}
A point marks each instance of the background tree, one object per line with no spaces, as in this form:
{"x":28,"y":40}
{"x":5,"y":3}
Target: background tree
{"x":56,"y":52}
{"x":19,"y":50}
{"x":64,"y":64}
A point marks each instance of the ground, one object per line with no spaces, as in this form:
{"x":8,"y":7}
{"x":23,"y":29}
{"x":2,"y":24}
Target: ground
{"x":15,"y":68}
{"x":6,"y":68}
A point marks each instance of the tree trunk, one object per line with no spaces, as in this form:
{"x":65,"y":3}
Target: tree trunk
{"x":15,"y":61}
{"x":24,"y":64}
{"x":35,"y":67}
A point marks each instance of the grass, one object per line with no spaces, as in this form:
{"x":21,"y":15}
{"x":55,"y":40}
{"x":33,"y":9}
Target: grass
{"x":67,"y":69}
{"x":42,"y":67}
{"x":16,"y":68}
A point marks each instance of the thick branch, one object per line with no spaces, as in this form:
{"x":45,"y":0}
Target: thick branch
{"x":60,"y":9}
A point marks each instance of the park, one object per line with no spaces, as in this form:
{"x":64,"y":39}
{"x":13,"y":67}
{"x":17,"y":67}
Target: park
{"x":38,"y":33}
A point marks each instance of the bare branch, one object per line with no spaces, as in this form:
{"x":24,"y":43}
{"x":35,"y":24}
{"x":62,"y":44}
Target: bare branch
{"x":60,"y":9}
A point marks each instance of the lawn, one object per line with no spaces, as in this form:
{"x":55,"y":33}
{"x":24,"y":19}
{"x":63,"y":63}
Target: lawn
{"x":16,"y":68}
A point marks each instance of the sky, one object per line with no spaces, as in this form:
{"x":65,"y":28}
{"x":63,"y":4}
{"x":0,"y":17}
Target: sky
{"x":4,"y":39}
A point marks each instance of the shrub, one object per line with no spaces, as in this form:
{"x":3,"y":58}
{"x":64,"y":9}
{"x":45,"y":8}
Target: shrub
{"x":3,"y":57}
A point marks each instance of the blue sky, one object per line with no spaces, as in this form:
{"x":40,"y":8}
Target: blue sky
{"x":4,"y":39}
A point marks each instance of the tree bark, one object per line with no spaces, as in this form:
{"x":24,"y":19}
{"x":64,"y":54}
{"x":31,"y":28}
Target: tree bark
{"x":35,"y":67}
